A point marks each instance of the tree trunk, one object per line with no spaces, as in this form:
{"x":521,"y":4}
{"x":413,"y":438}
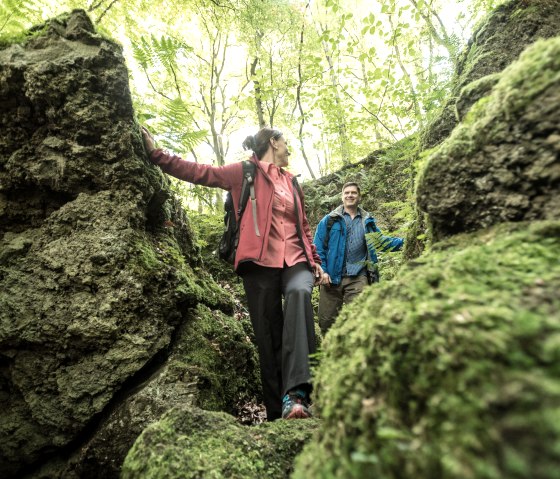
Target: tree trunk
{"x":340,"y":120}
{"x":258,"y":94}
{"x":298,"y":101}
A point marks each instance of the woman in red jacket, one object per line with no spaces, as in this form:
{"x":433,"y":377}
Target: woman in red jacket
{"x":276,"y":259}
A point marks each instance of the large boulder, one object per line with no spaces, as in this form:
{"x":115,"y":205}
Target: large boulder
{"x":502,"y":163}
{"x":97,"y":263}
{"x":452,"y":370}
{"x":497,"y":42}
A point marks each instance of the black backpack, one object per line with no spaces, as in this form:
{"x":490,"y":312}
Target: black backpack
{"x":230,"y":239}
{"x":330,"y":222}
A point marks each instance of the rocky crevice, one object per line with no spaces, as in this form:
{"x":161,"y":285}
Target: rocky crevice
{"x":76,"y":459}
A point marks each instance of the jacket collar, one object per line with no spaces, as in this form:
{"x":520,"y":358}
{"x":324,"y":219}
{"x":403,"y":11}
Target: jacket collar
{"x":339,"y":212}
{"x":264,"y":167}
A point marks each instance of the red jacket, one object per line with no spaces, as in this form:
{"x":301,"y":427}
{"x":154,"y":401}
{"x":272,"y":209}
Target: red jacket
{"x":230,"y":177}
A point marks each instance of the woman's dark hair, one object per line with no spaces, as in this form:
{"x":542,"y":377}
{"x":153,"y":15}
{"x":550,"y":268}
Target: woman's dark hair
{"x":260,"y":142}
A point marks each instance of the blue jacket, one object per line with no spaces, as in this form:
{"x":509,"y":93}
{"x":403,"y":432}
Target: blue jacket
{"x":333,"y":254}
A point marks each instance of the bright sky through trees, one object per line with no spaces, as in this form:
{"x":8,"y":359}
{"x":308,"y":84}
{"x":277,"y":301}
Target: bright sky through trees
{"x":341,"y":78}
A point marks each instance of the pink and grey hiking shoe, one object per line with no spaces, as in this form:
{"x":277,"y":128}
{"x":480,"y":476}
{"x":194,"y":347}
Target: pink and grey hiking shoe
{"x":295,"y":406}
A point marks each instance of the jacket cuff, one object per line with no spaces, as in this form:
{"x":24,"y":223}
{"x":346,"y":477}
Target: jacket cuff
{"x":155,"y":155}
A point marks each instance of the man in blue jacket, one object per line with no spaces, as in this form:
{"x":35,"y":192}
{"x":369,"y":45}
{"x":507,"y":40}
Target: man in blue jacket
{"x":348,"y":262}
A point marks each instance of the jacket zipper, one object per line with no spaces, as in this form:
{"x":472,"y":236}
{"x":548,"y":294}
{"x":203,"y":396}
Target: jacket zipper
{"x":299,"y":223}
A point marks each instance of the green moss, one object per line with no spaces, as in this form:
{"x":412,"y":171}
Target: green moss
{"x":479,"y":87}
{"x":190,"y":443}
{"x":146,"y":256}
{"x":537,"y":69}
{"x":473,"y":60}
{"x":525,"y":10}
{"x":452,"y":370}
{"x":220,"y":357}
{"x":192,"y":285}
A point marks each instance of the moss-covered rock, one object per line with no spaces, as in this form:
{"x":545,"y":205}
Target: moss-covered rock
{"x":497,"y":42}
{"x":503,"y":162}
{"x":97,"y":262}
{"x":216,"y":352}
{"x":212,"y":364}
{"x":452,"y":370}
{"x":189,"y":443}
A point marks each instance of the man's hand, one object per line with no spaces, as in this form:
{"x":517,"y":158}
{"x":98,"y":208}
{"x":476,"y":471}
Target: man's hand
{"x":326,"y":279}
{"x":320,"y":276}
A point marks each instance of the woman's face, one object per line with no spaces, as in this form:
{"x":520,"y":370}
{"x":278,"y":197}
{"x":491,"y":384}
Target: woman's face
{"x":281,"y":152}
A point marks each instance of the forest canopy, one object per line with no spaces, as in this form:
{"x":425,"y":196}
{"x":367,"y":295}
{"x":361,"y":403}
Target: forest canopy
{"x":340,"y":78}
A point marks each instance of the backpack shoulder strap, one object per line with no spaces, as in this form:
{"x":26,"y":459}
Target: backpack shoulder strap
{"x":248,"y":189}
{"x":297,"y":186}
{"x":330,"y":222}
{"x":249,"y":168}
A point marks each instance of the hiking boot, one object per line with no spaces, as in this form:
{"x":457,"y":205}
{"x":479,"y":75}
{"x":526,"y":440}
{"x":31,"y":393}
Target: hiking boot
{"x":294,"y":405}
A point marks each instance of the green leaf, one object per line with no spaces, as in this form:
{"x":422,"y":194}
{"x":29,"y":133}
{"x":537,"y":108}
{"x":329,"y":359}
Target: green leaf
{"x":361,"y":457}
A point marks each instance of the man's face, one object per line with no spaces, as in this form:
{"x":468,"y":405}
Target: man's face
{"x":350,"y":196}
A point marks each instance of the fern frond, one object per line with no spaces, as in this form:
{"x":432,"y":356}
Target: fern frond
{"x":161,"y":54}
{"x":177,"y":113}
{"x":176,"y":120}
{"x":389,"y":261}
{"x":186,"y":140}
{"x":16,"y":16}
{"x":167,"y":50}
{"x":142,"y":53}
{"x":379,"y":242}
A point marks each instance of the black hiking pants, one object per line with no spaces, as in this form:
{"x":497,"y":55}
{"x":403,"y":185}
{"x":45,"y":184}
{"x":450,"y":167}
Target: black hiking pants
{"x":285,"y":335}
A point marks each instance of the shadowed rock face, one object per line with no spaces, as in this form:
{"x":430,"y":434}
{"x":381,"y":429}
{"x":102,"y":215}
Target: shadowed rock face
{"x":91,"y":283}
{"x":193,"y":374}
